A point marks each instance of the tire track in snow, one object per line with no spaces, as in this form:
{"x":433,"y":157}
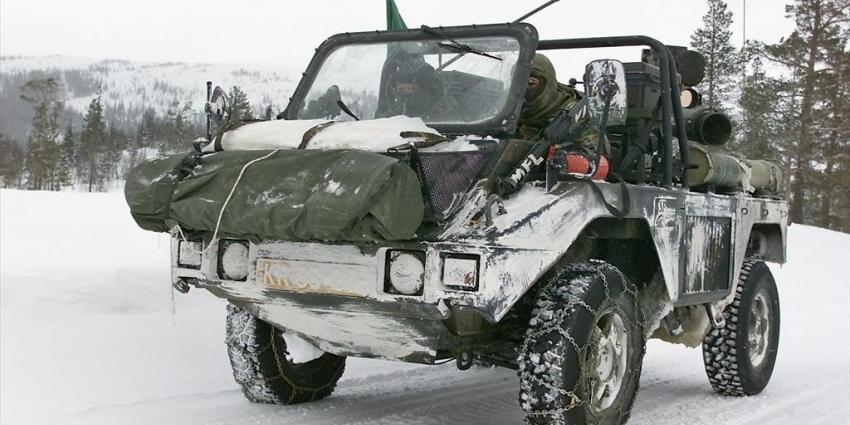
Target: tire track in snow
{"x":805,"y":405}
{"x":376,"y":400}
{"x":488,"y":396}
{"x":783,"y":398}
{"x":495,"y":404}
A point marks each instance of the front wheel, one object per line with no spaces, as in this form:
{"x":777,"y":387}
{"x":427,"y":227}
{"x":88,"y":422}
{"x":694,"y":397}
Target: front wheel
{"x":267,"y":366}
{"x":740,"y":356}
{"x":581,"y":359}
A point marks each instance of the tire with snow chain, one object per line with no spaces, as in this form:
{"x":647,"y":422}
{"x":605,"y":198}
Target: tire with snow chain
{"x":739,"y":357}
{"x":266,"y":371}
{"x":581,"y":358}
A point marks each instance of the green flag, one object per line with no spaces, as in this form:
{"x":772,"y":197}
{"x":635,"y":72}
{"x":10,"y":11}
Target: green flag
{"x":394,"y":19}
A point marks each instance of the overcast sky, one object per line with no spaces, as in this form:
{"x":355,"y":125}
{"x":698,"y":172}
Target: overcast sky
{"x":286,"y":32}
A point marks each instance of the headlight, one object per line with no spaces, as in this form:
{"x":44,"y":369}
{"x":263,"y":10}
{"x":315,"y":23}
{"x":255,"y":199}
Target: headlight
{"x":232,"y":260}
{"x":405,"y":272}
{"x":461,"y":271}
{"x":189,"y":254}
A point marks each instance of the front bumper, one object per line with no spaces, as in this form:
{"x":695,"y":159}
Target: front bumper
{"x":336,"y":296}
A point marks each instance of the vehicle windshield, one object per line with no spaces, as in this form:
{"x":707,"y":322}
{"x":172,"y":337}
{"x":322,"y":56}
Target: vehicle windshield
{"x":449,"y":81}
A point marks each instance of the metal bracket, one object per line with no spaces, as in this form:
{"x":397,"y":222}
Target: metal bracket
{"x":716,"y":316}
{"x":673,"y":323}
{"x":181,"y":286}
{"x":494,"y":205}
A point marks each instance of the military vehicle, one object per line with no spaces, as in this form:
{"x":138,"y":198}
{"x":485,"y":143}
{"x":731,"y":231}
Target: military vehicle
{"x":391,"y":212}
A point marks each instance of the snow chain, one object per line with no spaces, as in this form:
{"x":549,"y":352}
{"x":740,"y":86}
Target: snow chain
{"x":541,"y":368}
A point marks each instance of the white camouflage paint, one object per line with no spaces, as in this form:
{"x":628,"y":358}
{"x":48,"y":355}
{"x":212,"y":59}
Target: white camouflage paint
{"x":515,"y":250}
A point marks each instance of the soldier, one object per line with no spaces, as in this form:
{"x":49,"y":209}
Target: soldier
{"x":415,"y":90}
{"x":544,"y":98}
{"x":325,"y":106}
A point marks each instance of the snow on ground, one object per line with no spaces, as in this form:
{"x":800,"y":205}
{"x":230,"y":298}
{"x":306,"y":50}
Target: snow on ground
{"x":90,"y":334}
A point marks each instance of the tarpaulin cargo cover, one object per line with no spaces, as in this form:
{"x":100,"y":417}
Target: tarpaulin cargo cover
{"x":335,"y":195}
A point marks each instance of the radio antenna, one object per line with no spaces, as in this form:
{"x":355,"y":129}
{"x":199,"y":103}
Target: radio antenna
{"x":534,"y":12}
{"x":208,"y":110}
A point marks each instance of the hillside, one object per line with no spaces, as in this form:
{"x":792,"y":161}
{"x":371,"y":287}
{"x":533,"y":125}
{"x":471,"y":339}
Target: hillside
{"x":128,"y":88}
{"x":91,"y":334}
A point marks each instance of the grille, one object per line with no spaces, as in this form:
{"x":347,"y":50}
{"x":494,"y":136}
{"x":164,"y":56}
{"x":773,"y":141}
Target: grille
{"x":445,"y":177}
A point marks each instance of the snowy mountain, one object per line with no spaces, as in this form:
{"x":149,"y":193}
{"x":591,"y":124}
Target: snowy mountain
{"x":92,"y":334}
{"x":130,"y":87}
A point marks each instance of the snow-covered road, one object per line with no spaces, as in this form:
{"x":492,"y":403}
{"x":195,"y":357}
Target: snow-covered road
{"x":89,"y":334}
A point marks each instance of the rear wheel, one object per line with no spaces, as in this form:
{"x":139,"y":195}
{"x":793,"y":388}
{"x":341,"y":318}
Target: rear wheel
{"x":581,"y":359}
{"x":269,"y":371}
{"x":739,"y":357}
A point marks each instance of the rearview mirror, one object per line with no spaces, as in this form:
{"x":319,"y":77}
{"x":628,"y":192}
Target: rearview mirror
{"x":605,"y":88}
{"x":218,"y":108}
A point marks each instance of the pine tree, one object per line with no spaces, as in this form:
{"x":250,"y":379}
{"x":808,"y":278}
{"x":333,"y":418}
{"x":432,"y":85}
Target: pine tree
{"x":713,"y":40}
{"x":818,"y":30}
{"x":92,"y":139}
{"x":144,"y":139}
{"x":833,"y":134}
{"x":167,"y":144}
{"x":147,"y":129}
{"x":67,"y":156}
{"x":42,"y":143}
{"x":240,"y":107}
{"x":175,"y":139}
{"x":787,"y":115}
{"x":109,"y":155}
{"x":178,"y":135}
{"x":841,"y":124}
{"x":188,"y":130}
{"x":758,"y":120}
{"x":11,"y":163}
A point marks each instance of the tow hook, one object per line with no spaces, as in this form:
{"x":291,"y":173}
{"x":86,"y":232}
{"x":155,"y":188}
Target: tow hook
{"x":464,"y":360}
{"x":181,"y":286}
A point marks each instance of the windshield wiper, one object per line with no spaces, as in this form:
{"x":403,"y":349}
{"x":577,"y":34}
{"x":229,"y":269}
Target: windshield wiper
{"x":455,"y":45}
{"x":345,"y":109}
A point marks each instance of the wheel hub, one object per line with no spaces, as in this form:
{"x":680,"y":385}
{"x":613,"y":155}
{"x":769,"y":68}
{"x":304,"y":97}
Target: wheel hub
{"x":759,"y":329}
{"x":606,"y":366}
{"x":608,"y":359}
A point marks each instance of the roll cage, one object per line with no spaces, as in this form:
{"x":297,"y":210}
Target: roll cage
{"x":504,"y":123}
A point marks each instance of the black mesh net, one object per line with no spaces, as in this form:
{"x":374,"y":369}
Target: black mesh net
{"x":445,"y":177}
